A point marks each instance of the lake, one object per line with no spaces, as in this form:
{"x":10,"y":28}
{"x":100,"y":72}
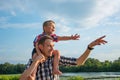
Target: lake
{"x":95,"y":74}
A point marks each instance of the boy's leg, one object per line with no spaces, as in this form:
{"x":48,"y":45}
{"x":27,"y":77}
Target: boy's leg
{"x":34,"y":53}
{"x":56,"y":70}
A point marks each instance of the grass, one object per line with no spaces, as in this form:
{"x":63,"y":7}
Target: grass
{"x":10,"y":77}
{"x":16,"y":77}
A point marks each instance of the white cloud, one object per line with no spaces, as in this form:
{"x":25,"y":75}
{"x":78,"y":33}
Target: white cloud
{"x":98,"y":14}
{"x":115,"y":24}
{"x":97,"y":11}
{"x":61,"y":23}
{"x":20,"y":25}
{"x":63,"y":1}
{"x":64,"y":30}
{"x":102,"y":10}
{"x":62,"y":14}
{"x":12,"y":6}
{"x":118,"y":31}
{"x":13,"y":13}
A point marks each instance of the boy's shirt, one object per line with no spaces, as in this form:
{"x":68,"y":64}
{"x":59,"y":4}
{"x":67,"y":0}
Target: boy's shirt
{"x":37,"y":38}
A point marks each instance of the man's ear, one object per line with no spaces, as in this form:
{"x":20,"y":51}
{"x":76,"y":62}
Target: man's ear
{"x":40,"y":46}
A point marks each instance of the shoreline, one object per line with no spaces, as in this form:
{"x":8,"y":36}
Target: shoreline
{"x":91,"y":78}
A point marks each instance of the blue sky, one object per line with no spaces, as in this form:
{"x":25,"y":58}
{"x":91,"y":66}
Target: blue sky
{"x":21,"y":21}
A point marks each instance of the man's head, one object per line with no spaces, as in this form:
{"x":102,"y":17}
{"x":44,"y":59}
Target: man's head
{"x":46,"y":45}
{"x":49,"y":27}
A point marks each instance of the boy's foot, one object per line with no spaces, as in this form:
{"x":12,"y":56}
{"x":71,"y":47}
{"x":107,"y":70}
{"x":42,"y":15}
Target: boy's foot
{"x":57,"y":72}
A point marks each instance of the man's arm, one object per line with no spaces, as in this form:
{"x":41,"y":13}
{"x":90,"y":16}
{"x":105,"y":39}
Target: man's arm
{"x":67,"y":61}
{"x":81,"y":60}
{"x":27,"y":74}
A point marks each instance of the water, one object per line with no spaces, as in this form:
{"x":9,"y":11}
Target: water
{"x":95,"y":74}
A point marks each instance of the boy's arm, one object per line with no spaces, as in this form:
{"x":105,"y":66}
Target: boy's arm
{"x":72,"y":37}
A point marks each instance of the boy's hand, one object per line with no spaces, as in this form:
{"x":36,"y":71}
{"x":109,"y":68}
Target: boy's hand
{"x":40,"y":58}
{"x":75,"y":37}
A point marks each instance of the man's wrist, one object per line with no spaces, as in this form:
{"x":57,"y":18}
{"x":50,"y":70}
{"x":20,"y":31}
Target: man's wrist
{"x":90,"y":48}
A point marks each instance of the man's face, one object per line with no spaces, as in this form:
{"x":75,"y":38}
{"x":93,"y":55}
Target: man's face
{"x":47,"y":48}
{"x":50,"y":29}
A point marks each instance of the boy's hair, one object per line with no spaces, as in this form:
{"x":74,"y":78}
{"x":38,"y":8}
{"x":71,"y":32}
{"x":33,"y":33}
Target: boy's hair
{"x":48,"y":22}
{"x":43,"y":38}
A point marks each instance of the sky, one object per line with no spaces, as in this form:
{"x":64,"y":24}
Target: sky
{"x":21,"y":21}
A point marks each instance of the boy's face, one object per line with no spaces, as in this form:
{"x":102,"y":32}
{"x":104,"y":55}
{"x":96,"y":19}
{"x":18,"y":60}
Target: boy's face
{"x":50,"y":29}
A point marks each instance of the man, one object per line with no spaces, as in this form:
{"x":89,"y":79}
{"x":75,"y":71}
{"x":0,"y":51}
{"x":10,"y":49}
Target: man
{"x":43,"y":63}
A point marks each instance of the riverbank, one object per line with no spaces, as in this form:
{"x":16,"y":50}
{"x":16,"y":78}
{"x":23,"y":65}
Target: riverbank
{"x":66,"y":76}
{"x":92,"y":78}
{"x":95,"y":75}
{"x":103,"y":78}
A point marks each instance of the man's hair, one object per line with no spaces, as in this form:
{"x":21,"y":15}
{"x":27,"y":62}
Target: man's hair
{"x":43,"y":38}
{"x":48,"y":22}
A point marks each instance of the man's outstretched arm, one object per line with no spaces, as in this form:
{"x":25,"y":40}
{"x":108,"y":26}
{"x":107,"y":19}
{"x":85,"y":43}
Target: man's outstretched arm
{"x":81,"y":60}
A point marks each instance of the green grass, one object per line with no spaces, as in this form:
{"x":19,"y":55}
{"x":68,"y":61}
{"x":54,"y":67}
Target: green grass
{"x":10,"y":77}
{"x":75,"y":78}
{"x":16,"y":77}
{"x":71,"y":78}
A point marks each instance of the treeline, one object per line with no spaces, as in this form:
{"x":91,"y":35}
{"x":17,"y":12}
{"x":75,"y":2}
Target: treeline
{"x":94,"y":65}
{"x":91,"y":65}
{"x":8,"y":68}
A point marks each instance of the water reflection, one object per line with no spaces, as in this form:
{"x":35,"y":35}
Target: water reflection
{"x":94,"y":74}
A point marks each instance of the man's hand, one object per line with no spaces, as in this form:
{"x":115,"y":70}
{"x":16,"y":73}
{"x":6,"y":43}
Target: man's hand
{"x":98,"y":41}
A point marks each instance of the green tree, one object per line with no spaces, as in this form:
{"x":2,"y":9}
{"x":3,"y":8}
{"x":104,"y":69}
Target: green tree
{"x":116,"y":65}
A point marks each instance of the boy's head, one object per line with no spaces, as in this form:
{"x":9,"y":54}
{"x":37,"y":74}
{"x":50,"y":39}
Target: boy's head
{"x":49,"y":27}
